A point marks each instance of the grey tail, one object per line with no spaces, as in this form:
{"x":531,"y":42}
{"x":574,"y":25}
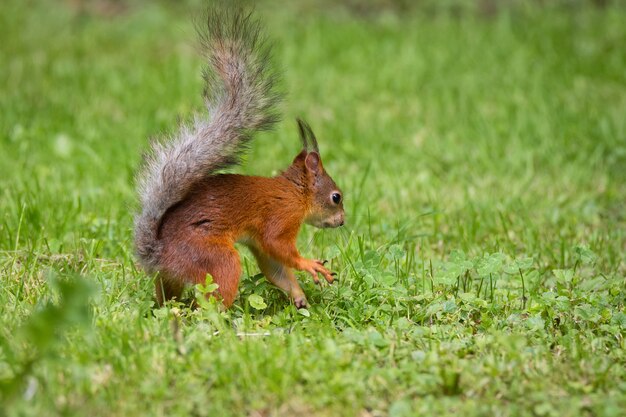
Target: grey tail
{"x":241,"y":98}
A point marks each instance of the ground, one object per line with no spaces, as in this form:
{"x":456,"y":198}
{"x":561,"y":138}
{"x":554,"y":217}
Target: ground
{"x":482,"y":269}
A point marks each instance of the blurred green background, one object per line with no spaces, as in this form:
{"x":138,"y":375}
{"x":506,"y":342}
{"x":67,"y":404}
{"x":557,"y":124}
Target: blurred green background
{"x":481,"y":148}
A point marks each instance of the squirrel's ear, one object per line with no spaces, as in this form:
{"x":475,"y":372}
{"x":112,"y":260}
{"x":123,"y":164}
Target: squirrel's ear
{"x":313,"y":162}
{"x":300,"y":157}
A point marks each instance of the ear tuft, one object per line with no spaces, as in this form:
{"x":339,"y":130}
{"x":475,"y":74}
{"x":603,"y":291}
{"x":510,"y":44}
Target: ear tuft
{"x":303,"y":133}
{"x":313,"y":162}
{"x":309,"y":141}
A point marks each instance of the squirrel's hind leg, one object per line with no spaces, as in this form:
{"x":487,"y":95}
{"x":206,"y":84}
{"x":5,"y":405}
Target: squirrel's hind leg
{"x":189,"y":262}
{"x":281,"y":276}
{"x":222,"y":262}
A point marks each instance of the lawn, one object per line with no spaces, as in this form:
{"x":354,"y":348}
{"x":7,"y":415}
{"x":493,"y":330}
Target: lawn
{"x":482,"y":269}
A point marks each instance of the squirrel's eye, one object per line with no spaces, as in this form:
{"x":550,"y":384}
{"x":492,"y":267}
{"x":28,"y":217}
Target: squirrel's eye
{"x":336,"y":198}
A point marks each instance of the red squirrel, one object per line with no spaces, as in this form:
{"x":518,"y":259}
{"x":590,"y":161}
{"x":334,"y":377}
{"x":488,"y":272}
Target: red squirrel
{"x":192,"y":215}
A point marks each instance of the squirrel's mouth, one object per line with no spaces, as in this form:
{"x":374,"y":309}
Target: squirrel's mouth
{"x":329,"y":222}
{"x":333,"y":224}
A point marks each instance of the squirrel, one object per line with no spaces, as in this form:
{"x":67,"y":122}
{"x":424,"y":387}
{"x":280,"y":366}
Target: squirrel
{"x":192,"y":215}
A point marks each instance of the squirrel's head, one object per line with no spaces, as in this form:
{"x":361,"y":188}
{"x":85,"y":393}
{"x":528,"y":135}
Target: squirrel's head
{"x":326,"y":206}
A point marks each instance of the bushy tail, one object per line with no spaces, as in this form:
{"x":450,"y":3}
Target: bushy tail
{"x":240,"y":96}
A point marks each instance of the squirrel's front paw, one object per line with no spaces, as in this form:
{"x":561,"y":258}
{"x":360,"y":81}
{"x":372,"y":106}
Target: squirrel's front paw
{"x":315,"y":267}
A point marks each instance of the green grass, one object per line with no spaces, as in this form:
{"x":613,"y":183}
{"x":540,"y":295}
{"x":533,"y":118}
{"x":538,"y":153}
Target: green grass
{"x":482,"y":270}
